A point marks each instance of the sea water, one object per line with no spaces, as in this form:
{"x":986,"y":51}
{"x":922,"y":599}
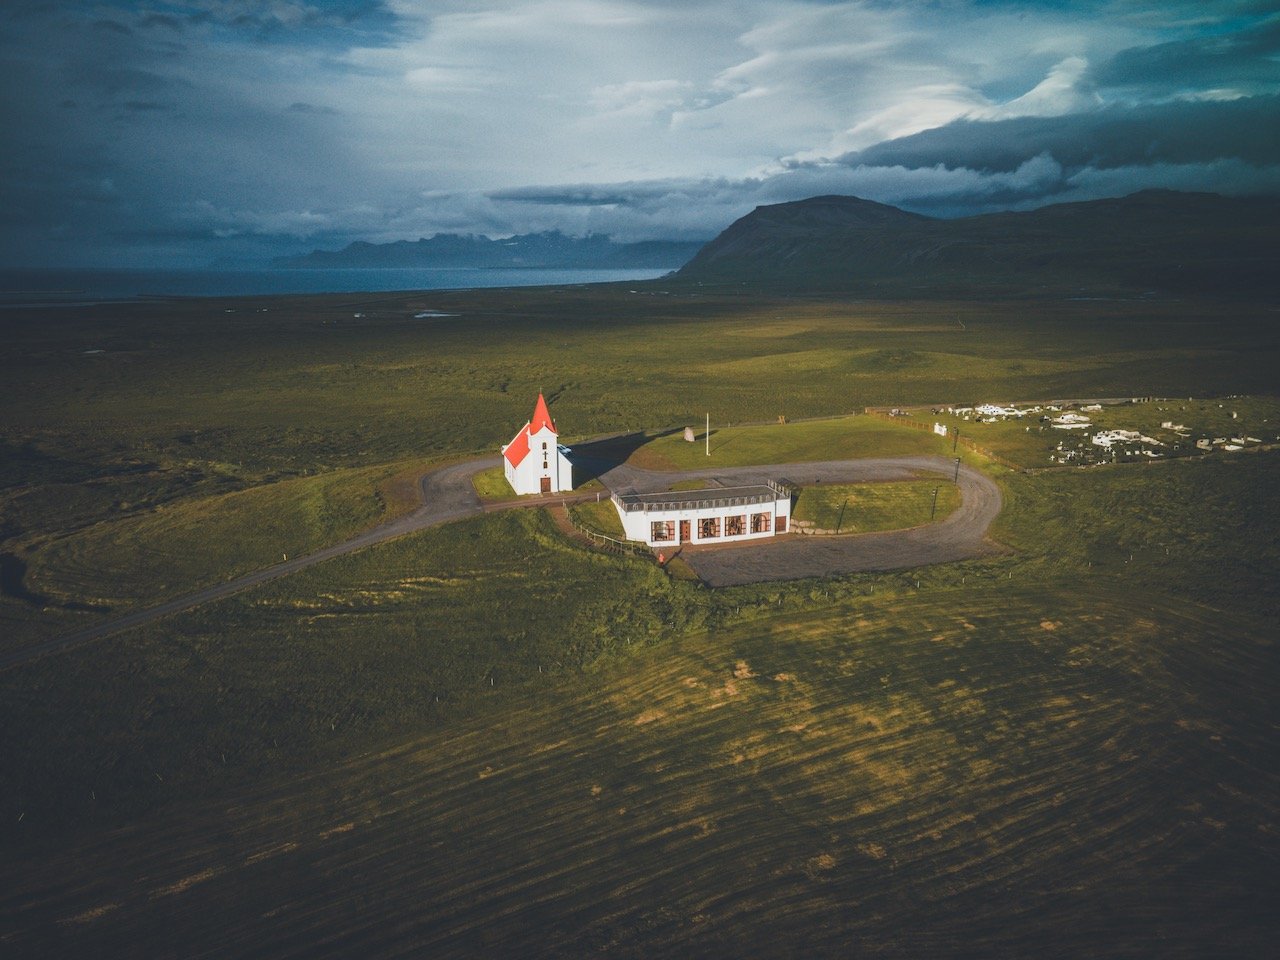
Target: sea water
{"x":58,"y":286}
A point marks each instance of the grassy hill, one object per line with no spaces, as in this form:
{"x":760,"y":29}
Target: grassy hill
{"x":489,"y":739}
{"x":415,"y":750}
{"x":1154,"y":242}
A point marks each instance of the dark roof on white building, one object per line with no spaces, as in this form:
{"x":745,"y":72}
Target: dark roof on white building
{"x":711,"y":497}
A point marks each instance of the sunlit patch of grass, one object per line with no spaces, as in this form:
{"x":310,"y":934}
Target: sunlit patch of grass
{"x":837,"y":439}
{"x":601,"y":516}
{"x":181,"y":546}
{"x":876,"y":362}
{"x":867,"y":507}
{"x":492,"y":484}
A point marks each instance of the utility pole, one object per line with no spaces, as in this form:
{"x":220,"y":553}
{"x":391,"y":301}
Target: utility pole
{"x":955,"y":438}
{"x":707,"y":436}
{"x":934,"y":508}
{"x":956,"y":478}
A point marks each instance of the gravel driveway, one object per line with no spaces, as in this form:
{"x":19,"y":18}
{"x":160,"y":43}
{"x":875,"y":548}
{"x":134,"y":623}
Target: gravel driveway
{"x":960,"y":536}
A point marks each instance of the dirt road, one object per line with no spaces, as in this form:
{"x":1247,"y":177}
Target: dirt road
{"x":447,"y":494}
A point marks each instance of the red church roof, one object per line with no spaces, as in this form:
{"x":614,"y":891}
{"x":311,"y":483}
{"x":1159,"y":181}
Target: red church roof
{"x":518,"y":448}
{"x":541,"y":417}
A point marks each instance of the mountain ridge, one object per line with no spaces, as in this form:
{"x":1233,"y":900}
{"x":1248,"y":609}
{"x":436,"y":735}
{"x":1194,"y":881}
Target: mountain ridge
{"x":1153,"y":242}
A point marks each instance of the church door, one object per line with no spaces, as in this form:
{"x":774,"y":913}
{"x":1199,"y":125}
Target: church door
{"x":546,"y":484}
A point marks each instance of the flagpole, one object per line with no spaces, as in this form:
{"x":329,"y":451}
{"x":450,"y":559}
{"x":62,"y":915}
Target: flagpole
{"x":707,"y":435}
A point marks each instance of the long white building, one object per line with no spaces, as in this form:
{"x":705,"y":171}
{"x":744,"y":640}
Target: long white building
{"x":718,"y":515}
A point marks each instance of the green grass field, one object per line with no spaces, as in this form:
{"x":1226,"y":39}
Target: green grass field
{"x":116,"y":565}
{"x":602,"y":517}
{"x":491,"y":485}
{"x":843,"y":438}
{"x":490,"y":739}
{"x":180,"y":387}
{"x":868,"y":507}
{"x":1061,"y":777}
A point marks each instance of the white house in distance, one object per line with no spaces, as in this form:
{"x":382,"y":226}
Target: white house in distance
{"x":534,"y":460}
{"x":719,"y":515}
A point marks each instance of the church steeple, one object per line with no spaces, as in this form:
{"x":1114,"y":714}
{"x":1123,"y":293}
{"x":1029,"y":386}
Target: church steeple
{"x":541,"y":416}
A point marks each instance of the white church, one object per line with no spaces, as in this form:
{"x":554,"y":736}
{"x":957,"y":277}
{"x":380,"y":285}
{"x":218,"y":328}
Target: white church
{"x":534,"y":460}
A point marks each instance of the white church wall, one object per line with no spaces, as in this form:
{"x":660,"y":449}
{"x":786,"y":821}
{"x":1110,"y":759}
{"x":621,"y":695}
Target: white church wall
{"x":546,"y":459}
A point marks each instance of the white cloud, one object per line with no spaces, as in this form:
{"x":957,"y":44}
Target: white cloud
{"x":921,"y":108}
{"x":641,"y":98}
{"x":1065,"y":90}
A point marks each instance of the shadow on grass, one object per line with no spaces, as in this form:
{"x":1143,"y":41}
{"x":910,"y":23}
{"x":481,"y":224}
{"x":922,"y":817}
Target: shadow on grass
{"x":13,"y":573}
{"x":716,"y":443}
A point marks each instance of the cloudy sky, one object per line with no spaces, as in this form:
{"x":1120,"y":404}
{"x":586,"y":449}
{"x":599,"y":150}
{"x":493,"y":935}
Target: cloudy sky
{"x":177,"y":132}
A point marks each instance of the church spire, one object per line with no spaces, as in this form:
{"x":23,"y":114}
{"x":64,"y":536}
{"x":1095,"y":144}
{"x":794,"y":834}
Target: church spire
{"x":541,"y":416}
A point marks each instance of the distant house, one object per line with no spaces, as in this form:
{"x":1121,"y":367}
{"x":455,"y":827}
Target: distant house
{"x":714,"y":515}
{"x":993,"y":411}
{"x":534,"y":460}
{"x":1109,"y":438}
{"x":1070,"y":421}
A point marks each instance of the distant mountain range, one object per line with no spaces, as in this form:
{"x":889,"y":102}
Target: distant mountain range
{"x":549,"y":249}
{"x":1156,"y":242}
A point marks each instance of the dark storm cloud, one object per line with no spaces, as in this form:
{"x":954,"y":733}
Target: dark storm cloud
{"x":142,"y":106}
{"x":299,"y":107}
{"x":112,"y":26}
{"x":294,"y":22}
{"x":1176,"y":133}
{"x":1248,"y":59}
{"x":170,"y":151}
{"x":580,"y":196}
{"x":166,"y":20}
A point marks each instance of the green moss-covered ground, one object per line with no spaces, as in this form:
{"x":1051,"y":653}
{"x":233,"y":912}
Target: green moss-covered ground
{"x":869,"y":507}
{"x":490,"y":739}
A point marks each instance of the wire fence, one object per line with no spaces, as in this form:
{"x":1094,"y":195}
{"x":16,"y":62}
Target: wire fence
{"x":606,"y":542}
{"x":963,"y":440}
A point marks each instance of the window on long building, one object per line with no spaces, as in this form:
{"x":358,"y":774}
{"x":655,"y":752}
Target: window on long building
{"x":760,"y":522}
{"x":735,"y":526}
{"x":708,"y":527}
{"x":661,"y":530}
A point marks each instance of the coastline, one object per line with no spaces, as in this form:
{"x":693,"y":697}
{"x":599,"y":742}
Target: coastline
{"x":37,"y":288}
